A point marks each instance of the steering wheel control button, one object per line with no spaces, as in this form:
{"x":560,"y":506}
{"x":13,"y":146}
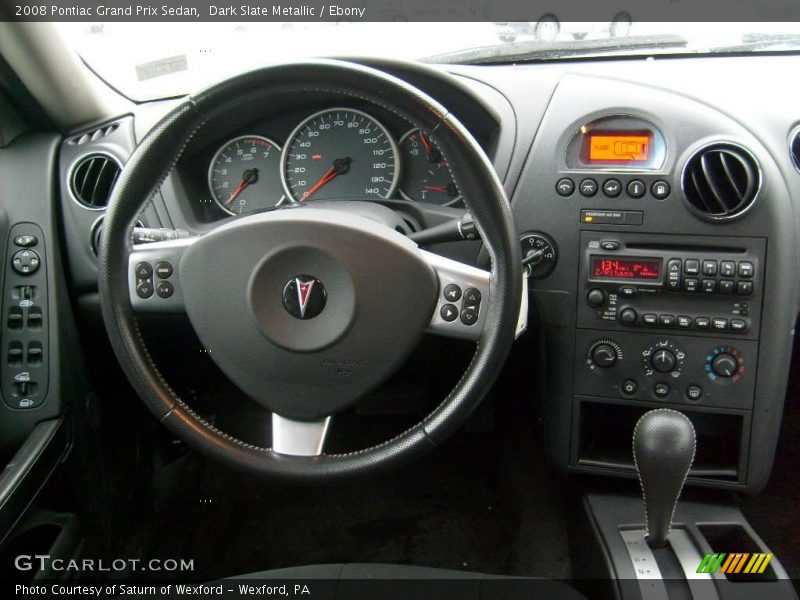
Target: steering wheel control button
{"x":612,"y":188}
{"x":452,"y":293}
{"x":596,"y":297}
{"x":144,"y":271}
{"x":694,"y":393}
{"x":144,"y":289}
{"x":636,"y":188}
{"x":472,"y":298}
{"x":449,"y":312}
{"x":25,"y":241}
{"x":660,"y":189}
{"x":629,"y":387}
{"x":588,"y":187}
{"x":304,"y":297}
{"x":164,"y":289}
{"x":25,"y":262}
{"x":661,"y":390}
{"x":469,"y":316}
{"x":565,"y":186}
{"x":164,"y":270}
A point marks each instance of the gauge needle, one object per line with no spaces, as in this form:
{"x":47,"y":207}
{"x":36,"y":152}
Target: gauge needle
{"x":249,"y":177}
{"x":436,"y":188}
{"x":450,"y":189}
{"x":433,"y":155}
{"x":340,"y":166}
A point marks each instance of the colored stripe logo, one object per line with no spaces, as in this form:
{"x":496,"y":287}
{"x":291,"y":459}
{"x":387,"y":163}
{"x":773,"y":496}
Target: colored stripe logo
{"x":735,"y":562}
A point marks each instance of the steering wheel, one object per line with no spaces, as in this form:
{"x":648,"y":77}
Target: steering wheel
{"x":308,"y":308}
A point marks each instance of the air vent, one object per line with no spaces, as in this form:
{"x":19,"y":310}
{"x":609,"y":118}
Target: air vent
{"x":93,"y":178}
{"x":795,"y":148}
{"x":95,"y":134}
{"x":721,"y":181}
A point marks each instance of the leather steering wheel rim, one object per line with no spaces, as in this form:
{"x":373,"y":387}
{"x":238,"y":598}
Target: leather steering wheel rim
{"x":483,"y":194}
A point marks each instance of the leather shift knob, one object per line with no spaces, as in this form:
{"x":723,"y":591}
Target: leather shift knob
{"x":663,"y":450}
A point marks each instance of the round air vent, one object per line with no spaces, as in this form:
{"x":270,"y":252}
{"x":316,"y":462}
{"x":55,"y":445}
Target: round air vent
{"x":93,"y":178}
{"x":794,"y":147}
{"x":721,"y":181}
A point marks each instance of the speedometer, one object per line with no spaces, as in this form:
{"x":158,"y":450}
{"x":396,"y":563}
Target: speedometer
{"x":340,"y":153}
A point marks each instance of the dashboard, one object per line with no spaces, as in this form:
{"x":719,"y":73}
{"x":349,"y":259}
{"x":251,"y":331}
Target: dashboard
{"x":658,"y":204}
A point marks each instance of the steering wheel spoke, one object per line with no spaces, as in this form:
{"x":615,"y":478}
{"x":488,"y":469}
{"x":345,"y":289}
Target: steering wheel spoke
{"x":298,"y":438}
{"x":154,"y":276}
{"x":462,"y":298}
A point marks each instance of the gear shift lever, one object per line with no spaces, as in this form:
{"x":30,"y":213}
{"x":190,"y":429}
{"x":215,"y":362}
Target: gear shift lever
{"x":663,"y":450}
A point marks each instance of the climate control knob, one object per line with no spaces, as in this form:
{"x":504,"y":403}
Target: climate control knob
{"x":604,"y":355}
{"x":663,"y":360}
{"x":725,"y":365}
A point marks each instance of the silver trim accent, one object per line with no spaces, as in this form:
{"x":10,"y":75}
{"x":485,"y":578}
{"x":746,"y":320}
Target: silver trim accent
{"x":298,"y":438}
{"x":795,"y":132}
{"x":400,"y":188}
{"x":219,"y":202}
{"x":304,"y":122}
{"x":651,"y":582}
{"x":71,"y":171}
{"x":727,"y":218}
{"x":689,"y":558}
{"x":465,"y":276}
{"x":170,"y":251}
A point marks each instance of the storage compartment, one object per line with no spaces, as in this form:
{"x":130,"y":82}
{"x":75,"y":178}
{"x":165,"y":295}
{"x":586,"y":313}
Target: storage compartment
{"x":733,"y":538}
{"x":605,"y":431}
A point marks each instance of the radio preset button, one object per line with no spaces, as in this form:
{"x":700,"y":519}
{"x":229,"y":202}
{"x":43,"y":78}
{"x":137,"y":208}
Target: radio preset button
{"x":691,"y":266}
{"x":636,"y":188}
{"x":666,"y":320}
{"x":684,"y":321}
{"x":709,"y":286}
{"x":628,"y":291}
{"x":709,"y":267}
{"x":588,"y":187}
{"x":612,"y":188}
{"x":726,"y":286}
{"x":650,"y":319}
{"x":702,"y":322}
{"x":565,"y":186}
{"x":746,"y":269}
{"x":691,"y":285}
{"x":744,"y":288}
{"x":727,"y":268}
{"x":596,"y":297}
{"x":628,"y":316}
{"x":719,"y":323}
{"x":674,"y":274}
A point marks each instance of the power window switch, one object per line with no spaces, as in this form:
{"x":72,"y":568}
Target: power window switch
{"x":35,"y":318}
{"x":15,"y":318}
{"x":35,"y":354}
{"x":24,"y":388}
{"x":15,"y":354}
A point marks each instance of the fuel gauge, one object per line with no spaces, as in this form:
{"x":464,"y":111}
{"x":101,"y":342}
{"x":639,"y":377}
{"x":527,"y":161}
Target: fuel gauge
{"x":426,"y":176}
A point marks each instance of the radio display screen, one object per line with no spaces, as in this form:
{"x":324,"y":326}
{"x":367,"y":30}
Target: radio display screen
{"x":618,"y":147}
{"x":634,"y":269}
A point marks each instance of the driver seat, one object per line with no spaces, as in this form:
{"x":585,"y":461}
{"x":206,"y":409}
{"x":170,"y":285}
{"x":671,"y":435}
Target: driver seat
{"x":370,"y":581}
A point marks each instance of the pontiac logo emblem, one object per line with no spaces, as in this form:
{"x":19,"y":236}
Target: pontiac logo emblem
{"x":304,"y":297}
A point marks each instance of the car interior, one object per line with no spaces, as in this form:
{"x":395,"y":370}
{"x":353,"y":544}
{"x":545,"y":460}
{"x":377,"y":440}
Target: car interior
{"x":361,"y":318}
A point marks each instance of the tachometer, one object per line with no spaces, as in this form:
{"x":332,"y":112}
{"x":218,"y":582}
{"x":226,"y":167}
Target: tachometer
{"x":244,"y":175}
{"x":426,"y":176}
{"x":340,"y":153}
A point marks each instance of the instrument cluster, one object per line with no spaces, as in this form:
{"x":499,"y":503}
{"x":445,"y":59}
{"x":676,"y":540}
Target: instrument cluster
{"x":339,"y":153}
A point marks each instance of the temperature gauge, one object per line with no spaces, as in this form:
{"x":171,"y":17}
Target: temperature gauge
{"x":426,"y":175}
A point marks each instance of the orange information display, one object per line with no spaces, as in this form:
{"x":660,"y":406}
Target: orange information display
{"x":619,"y":147}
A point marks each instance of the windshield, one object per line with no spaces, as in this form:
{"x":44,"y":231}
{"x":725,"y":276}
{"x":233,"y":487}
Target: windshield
{"x":147,"y":61}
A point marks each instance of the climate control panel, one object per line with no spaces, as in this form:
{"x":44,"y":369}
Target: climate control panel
{"x":672,"y":369}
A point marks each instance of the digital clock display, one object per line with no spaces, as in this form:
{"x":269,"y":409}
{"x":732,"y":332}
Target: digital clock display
{"x":634,"y":269}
